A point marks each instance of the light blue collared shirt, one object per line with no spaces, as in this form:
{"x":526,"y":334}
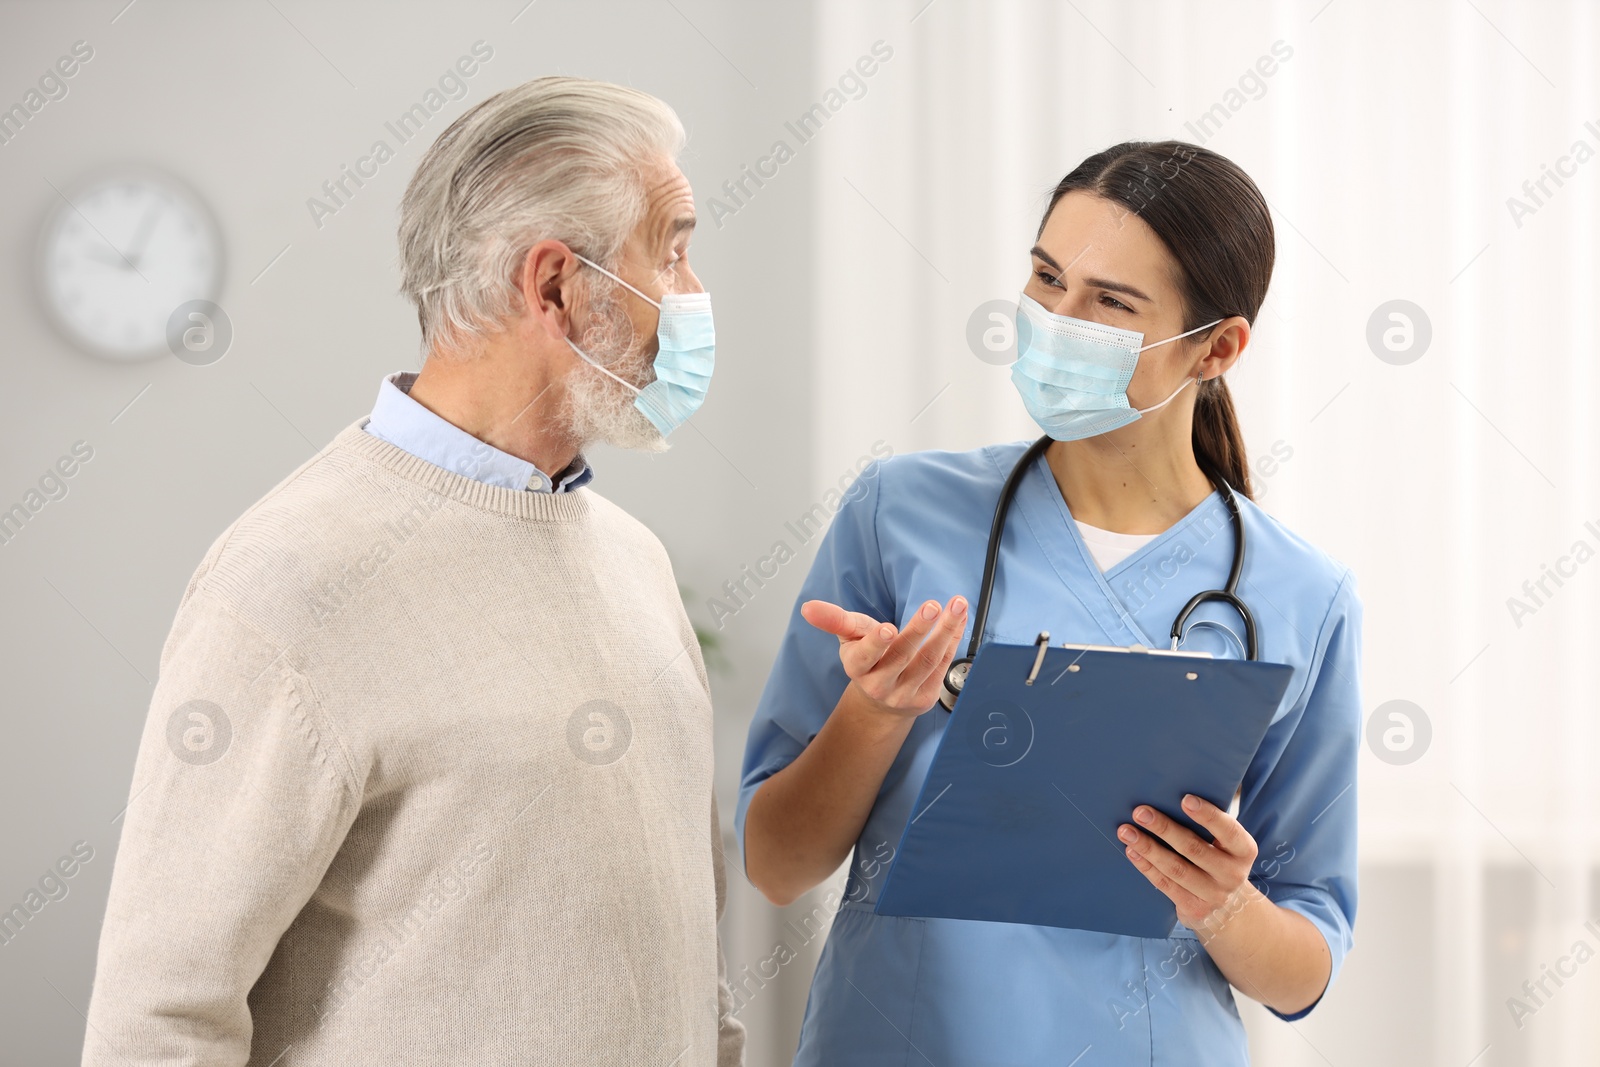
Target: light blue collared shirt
{"x":405,"y":423}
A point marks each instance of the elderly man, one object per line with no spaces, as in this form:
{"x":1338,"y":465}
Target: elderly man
{"x":426,"y":778}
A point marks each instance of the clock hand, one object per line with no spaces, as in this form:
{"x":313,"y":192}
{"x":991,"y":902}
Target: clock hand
{"x":121,"y":262}
{"x":143,"y":235}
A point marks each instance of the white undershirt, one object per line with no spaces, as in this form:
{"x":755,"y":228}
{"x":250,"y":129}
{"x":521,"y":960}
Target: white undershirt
{"x":1110,"y":548}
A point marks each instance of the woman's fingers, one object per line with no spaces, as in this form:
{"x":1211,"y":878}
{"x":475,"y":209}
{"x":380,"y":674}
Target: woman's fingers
{"x":831,"y":618}
{"x":862,"y":639}
{"x":1186,"y":901}
{"x":1184,"y":841}
{"x":1174,"y":860}
{"x":918,"y":653}
{"x":936,"y":680}
{"x":928,"y":668}
{"x":1229,"y":833}
{"x":895,"y":666}
{"x":902,"y":648}
{"x":860,"y":656}
{"x":1203,"y":906}
{"x":1166,"y":868}
{"x":1226,"y":859}
{"x":1199,"y":876}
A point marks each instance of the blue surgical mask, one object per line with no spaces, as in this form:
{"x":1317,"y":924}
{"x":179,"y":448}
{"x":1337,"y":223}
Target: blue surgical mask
{"x":683,"y":364}
{"x":1073,"y":374}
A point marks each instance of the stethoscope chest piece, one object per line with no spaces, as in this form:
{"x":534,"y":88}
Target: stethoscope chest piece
{"x":954,"y":678}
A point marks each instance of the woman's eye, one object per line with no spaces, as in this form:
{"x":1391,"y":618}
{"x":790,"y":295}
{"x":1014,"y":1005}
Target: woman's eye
{"x":1114,"y":302}
{"x":1048,"y":278}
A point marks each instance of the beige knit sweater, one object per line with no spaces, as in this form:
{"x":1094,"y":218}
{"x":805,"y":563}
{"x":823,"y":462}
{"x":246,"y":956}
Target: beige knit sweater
{"x":426,"y":779}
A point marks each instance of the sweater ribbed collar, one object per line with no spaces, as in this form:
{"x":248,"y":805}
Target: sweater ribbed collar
{"x":516,"y":503}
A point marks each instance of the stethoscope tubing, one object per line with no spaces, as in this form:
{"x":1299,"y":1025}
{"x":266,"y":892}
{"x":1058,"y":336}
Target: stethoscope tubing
{"x":991,"y":560}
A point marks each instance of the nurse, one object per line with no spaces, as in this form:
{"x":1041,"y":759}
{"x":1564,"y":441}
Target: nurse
{"x":1168,"y":248}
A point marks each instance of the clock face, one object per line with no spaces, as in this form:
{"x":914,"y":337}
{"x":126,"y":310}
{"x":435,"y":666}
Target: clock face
{"x":120,"y":258}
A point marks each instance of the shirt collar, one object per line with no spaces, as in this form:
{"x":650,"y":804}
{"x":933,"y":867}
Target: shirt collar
{"x":406,"y":423}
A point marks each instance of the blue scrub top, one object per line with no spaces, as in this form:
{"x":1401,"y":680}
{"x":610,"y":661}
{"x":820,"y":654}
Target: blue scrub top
{"x":906,"y":991}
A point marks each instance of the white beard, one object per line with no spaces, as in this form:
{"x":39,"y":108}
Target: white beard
{"x":597,"y":407}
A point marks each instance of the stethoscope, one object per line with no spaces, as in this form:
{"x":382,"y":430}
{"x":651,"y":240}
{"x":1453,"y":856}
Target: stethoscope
{"x":956,"y":676}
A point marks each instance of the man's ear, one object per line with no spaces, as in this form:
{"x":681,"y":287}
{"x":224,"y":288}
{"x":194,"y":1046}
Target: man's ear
{"x":548,"y":281}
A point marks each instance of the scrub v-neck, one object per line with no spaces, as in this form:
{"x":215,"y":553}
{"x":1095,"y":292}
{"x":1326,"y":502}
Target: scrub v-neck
{"x":1047,"y":515}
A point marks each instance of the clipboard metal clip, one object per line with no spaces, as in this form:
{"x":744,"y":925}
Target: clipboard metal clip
{"x":1041,"y":645}
{"x":1139,"y":648}
{"x":956,"y":676}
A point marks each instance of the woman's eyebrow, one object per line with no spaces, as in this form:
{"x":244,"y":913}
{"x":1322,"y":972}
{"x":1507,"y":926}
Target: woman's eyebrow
{"x":1097,"y":283}
{"x":1039,"y":253}
{"x":1115,"y":287}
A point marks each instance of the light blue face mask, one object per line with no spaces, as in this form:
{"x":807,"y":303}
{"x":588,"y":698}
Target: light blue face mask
{"x":1073,"y":374}
{"x":684,"y":362}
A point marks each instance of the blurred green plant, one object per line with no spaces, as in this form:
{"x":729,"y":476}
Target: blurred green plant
{"x":711,"y":646}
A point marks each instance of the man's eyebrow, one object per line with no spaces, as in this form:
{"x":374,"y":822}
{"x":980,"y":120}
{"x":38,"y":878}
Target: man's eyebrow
{"x":681,"y":224}
{"x":1097,"y":283}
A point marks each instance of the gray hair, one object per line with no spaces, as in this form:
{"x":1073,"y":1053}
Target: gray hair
{"x":554,"y":157}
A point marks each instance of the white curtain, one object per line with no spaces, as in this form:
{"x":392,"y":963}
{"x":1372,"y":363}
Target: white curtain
{"x":1388,"y":141}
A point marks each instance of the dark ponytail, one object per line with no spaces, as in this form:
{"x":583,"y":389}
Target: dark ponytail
{"x":1216,"y":224}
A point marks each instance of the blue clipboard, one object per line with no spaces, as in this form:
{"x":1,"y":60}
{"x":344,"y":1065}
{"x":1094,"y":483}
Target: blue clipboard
{"x":1047,"y":752}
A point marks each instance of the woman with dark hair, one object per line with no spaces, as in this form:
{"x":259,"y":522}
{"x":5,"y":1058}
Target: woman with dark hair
{"x":1118,"y":520}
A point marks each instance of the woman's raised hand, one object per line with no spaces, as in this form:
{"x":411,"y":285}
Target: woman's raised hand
{"x":900,"y":672}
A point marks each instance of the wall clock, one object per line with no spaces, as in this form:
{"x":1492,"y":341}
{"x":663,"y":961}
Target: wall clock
{"x":114,"y":263}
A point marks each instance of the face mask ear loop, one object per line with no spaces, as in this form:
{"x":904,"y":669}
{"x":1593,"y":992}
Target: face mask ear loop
{"x":1152,"y":344}
{"x":1186,"y":381}
{"x":1168,"y":400}
{"x":619,"y":281}
{"x":584,"y":356}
